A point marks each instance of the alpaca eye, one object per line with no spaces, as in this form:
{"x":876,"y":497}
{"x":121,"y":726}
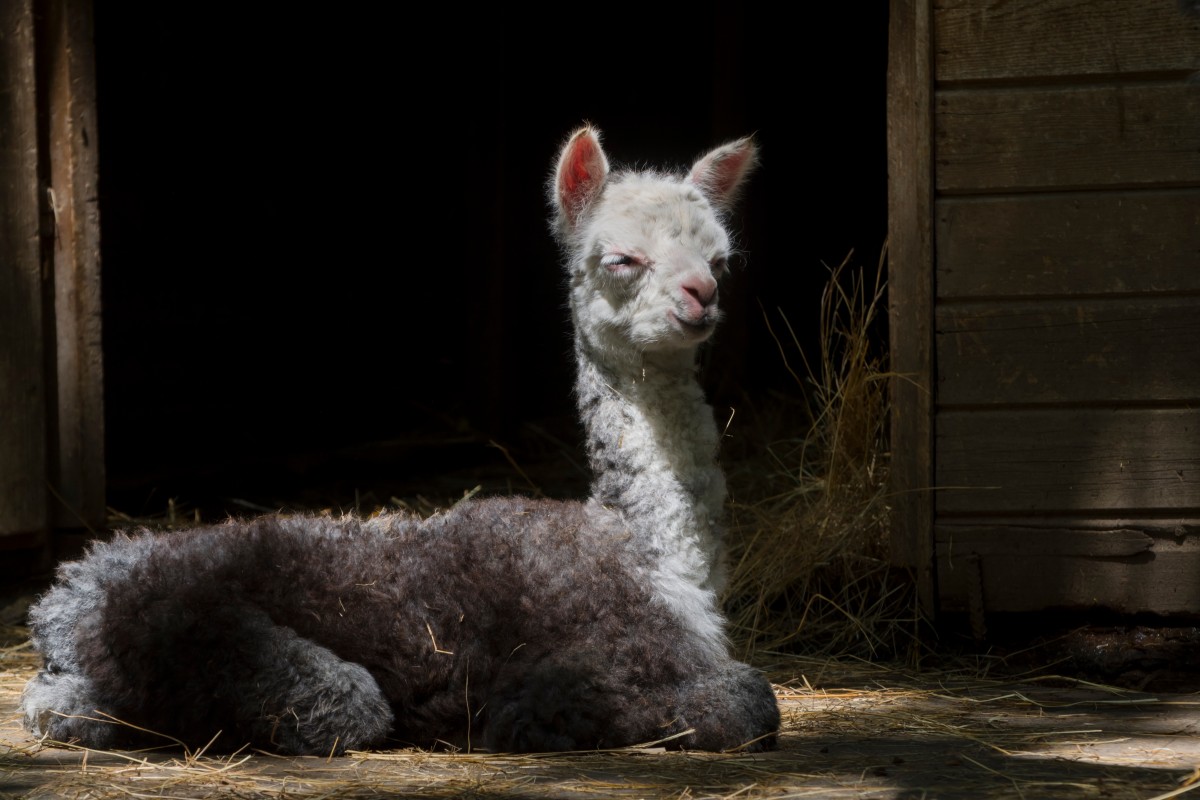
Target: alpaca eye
{"x":619,"y":263}
{"x":616,"y":260}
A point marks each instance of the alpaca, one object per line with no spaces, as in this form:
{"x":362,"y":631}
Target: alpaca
{"x":507,"y":624}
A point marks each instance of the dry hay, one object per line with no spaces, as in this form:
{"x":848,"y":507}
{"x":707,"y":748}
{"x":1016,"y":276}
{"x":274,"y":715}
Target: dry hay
{"x":869,"y":731}
{"x":810,"y":569}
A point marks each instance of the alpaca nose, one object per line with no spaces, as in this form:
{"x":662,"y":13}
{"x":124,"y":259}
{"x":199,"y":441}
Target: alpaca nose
{"x":699,"y":293}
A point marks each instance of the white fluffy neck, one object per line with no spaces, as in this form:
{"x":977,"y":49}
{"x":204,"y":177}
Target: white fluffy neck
{"x":652,"y":443}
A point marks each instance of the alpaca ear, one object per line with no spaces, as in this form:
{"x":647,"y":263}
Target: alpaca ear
{"x":582,"y":170}
{"x":721,"y":173}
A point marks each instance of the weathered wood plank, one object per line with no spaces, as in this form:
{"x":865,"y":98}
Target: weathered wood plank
{"x":1163,"y":577}
{"x":1068,"y":138}
{"x":956,"y":541}
{"x":1048,"y":96}
{"x":23,"y":501}
{"x":1015,"y":39}
{"x":78,"y":431}
{"x":1140,"y":349}
{"x":910,"y":289}
{"x":1034,"y":461}
{"x":1068,"y":244}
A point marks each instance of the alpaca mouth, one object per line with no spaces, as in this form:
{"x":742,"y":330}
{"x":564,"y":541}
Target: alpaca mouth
{"x":695,"y":327}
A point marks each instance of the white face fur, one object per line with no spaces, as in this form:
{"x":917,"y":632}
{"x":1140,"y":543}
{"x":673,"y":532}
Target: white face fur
{"x":650,"y":255}
{"x":645,"y":249}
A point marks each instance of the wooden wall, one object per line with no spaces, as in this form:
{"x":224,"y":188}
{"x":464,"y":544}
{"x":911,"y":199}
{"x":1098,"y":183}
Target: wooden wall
{"x":23,"y":496}
{"x":1062,"y":284}
{"x":51,"y":392}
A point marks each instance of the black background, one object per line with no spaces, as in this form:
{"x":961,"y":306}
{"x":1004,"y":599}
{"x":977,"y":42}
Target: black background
{"x":324,"y":242}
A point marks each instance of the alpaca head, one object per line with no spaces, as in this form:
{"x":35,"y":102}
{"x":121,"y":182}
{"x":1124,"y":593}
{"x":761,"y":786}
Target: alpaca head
{"x":645,"y":250}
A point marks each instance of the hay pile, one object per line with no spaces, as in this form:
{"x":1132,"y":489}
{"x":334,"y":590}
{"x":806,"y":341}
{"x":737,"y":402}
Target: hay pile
{"x":810,"y":571}
{"x":903,"y":736}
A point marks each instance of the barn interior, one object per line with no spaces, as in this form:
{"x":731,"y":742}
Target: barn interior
{"x":327,"y":273}
{"x":328,"y":284}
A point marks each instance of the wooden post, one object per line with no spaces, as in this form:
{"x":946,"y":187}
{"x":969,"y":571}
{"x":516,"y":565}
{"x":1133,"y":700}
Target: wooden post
{"x":23,"y":493}
{"x":910,"y":289}
{"x":51,"y":392}
{"x":76,"y":468}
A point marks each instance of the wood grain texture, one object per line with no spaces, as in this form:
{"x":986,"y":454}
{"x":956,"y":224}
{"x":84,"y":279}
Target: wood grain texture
{"x":1067,"y":314}
{"x":1123,"y":350}
{"x":23,"y":501}
{"x":78,"y":428}
{"x":958,"y":541}
{"x":1123,"y":462}
{"x":910,"y":290}
{"x":1083,"y":137}
{"x":1158,"y":576}
{"x":1023,"y":39}
{"x":1068,"y":244}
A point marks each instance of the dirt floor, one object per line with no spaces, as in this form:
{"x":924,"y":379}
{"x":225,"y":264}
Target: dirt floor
{"x":851,"y":730}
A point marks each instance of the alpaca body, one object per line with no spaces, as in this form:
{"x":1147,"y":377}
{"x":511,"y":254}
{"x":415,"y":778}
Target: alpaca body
{"x":508,"y":624}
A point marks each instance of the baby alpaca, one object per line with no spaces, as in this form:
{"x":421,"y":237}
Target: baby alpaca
{"x":507,"y":624}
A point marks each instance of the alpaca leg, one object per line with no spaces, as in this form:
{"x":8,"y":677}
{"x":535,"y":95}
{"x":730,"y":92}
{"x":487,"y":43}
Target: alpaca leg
{"x":583,"y":704}
{"x":290,"y":695}
{"x":729,"y":707}
{"x":539,"y":713}
{"x":580,"y":702}
{"x":303,"y":699}
{"x":187,"y":673}
{"x":555,"y":705}
{"x":62,"y":707}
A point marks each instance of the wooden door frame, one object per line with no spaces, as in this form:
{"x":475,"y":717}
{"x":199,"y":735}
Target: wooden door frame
{"x":910,"y":290}
{"x":51,"y":368}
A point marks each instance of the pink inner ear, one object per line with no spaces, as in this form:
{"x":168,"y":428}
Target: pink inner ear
{"x":727,"y":172}
{"x":721,"y":173}
{"x":581,"y":173}
{"x":583,"y":153}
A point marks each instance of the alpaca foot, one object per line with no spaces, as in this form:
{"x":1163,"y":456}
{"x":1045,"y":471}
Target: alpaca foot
{"x":59,"y":707}
{"x":731,"y":708}
{"x":313,"y":703}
